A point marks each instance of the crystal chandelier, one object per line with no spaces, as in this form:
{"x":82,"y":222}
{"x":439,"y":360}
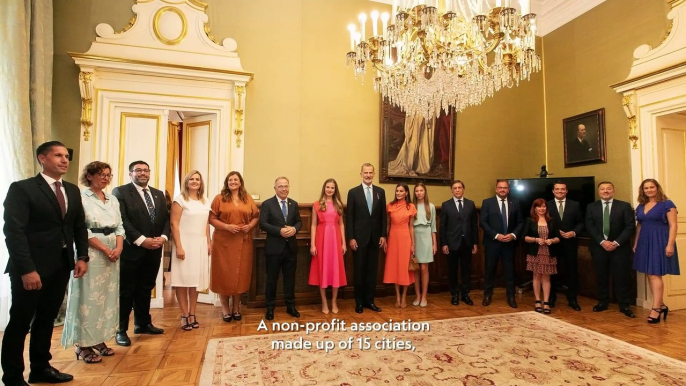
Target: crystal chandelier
{"x":443,"y":53}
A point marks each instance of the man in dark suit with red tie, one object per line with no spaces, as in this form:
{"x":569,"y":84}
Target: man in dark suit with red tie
{"x":459,"y":238}
{"x":146,"y":222}
{"x":567,"y":214}
{"x":502,"y":222}
{"x":280,"y":219}
{"x":365,"y":229}
{"x":44,"y":220}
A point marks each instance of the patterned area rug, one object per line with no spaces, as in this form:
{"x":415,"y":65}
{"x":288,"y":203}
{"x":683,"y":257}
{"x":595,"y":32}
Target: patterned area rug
{"x":511,"y":349}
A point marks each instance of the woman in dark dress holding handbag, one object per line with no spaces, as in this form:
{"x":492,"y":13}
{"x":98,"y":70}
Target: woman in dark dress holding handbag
{"x":540,"y":253}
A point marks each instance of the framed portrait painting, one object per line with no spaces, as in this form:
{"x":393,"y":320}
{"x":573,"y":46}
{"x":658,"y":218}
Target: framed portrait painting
{"x":584,"y":138}
{"x":414,"y":149}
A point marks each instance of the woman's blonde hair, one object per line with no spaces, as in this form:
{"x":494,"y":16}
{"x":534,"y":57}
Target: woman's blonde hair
{"x":427,"y":205}
{"x":184,"y":186}
{"x":337,"y":203}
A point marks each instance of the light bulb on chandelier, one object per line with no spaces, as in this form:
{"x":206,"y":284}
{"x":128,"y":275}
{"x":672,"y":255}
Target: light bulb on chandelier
{"x":438,"y":54}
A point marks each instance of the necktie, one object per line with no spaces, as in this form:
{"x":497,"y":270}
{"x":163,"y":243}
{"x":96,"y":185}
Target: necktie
{"x":283,"y":209}
{"x":561,"y":209}
{"x":606,"y":219}
{"x":60,"y":198}
{"x":369,"y":199}
{"x":503,"y":214}
{"x":148,"y":203}
{"x":459,"y":206}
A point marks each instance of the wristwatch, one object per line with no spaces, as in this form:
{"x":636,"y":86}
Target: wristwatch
{"x":84,"y":258}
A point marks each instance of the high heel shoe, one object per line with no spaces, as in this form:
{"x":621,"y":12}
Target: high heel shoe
{"x":665,"y":310}
{"x":537,"y":306}
{"x":656,"y":320}
{"x":546,"y":311}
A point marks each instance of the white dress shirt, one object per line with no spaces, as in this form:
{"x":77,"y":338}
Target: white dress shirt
{"x":51,"y":182}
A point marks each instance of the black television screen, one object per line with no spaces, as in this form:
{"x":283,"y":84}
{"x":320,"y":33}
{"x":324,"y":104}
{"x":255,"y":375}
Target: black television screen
{"x":580,"y":189}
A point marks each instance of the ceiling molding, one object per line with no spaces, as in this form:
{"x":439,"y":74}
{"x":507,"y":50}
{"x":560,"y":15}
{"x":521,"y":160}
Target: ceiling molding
{"x":552,"y":14}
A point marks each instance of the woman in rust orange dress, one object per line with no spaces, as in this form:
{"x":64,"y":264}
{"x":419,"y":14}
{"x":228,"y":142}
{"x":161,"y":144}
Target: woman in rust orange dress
{"x":233,"y":216}
{"x":400,"y":245}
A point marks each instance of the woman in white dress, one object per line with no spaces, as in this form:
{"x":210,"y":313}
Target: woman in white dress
{"x":191,"y":235}
{"x":93,"y":302}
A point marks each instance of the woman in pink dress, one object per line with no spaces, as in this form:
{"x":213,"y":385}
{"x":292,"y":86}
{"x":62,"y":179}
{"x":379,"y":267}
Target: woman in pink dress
{"x":400,"y":245}
{"x":327,"y":244}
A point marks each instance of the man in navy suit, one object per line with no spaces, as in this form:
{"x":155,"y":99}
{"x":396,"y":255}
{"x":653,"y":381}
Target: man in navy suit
{"x":502,"y":222}
{"x":44,"y":220}
{"x":146,"y":223}
{"x":459,"y":238}
{"x":280,"y":218}
{"x":567,"y":214}
{"x":611,"y":223}
{"x":365,"y":229}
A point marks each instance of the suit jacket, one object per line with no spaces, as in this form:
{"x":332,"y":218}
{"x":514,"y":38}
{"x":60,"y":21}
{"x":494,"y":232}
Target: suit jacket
{"x":365,"y":228}
{"x":134,"y":215}
{"x":579,"y":151}
{"x":271,"y":221}
{"x":531,"y":230}
{"x":572,"y":220}
{"x":35,"y":231}
{"x":622,"y":225}
{"x":456,"y":224}
{"x":492,"y":223}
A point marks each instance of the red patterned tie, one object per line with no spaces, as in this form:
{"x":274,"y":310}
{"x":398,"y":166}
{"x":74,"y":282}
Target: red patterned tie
{"x":60,"y":198}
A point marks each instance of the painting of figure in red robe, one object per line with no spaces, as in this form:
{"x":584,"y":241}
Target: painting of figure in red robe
{"x":415,"y":149}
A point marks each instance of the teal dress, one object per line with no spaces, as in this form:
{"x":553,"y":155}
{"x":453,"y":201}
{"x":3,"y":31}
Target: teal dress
{"x":93,"y":305}
{"x":423,"y":228}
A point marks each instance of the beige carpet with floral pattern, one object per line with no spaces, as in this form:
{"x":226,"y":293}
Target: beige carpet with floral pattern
{"x":511,"y":349}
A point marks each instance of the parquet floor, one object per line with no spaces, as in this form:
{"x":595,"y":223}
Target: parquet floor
{"x":175,"y":358}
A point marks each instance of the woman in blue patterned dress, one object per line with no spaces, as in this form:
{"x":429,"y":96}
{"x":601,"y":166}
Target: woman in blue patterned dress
{"x":654,"y":247}
{"x":93,"y":305}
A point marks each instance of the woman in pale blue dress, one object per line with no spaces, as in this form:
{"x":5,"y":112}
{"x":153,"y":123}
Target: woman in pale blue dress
{"x":93,"y":305}
{"x":425,"y":241}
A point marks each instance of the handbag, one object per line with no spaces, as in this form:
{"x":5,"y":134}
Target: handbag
{"x":414,"y":264}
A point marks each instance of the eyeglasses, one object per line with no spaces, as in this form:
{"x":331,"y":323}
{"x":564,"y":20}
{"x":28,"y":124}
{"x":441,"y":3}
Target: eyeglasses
{"x":103,"y":175}
{"x":141,"y":171}
{"x":283,"y":187}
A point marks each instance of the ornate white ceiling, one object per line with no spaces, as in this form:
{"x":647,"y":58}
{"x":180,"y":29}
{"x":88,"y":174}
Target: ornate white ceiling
{"x":552,"y":14}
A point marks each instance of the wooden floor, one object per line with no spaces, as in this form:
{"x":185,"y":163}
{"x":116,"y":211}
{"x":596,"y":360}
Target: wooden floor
{"x":175,"y":358}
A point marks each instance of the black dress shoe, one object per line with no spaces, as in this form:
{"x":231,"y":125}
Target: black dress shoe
{"x":228,"y":318}
{"x":269,"y":315}
{"x":359,"y":309}
{"x":149,"y":329}
{"x":600,"y":307}
{"x":486,"y":301}
{"x":372,"y":307}
{"x":551,"y":304}
{"x":122,"y":339}
{"x":455,"y":300}
{"x":293,"y":312}
{"x":512,"y":303}
{"x":49,"y":375}
{"x":627,"y":311}
{"x":467,"y":300}
{"x":575,"y":306}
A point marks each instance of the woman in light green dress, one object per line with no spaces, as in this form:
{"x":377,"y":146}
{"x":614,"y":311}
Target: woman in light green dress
{"x":424,"y":240}
{"x":93,"y":305}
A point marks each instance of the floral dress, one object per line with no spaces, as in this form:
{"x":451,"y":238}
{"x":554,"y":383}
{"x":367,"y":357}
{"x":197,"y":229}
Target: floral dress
{"x":93,"y":305}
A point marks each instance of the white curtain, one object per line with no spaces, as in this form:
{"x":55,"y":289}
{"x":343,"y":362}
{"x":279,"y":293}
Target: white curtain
{"x":25,"y":101}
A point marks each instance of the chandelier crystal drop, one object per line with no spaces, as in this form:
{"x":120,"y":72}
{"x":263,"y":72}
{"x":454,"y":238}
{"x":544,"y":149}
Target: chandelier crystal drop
{"x":439,"y":54}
